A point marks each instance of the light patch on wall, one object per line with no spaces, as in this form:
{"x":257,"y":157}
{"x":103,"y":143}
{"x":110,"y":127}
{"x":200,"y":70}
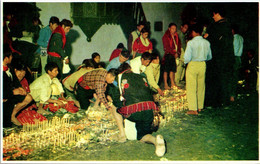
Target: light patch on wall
{"x":104,"y":41}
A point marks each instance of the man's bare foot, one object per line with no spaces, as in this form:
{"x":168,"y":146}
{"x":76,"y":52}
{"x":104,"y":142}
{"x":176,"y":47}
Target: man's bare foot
{"x":166,"y":87}
{"x":15,"y":121}
{"x":121,"y":139}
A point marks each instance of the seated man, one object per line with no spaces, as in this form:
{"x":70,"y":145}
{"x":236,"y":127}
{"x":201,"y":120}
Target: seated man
{"x":41,"y":88}
{"x":153,"y":73}
{"x":140,"y":63}
{"x":139,"y":106}
{"x":117,"y":51}
{"x":15,"y":98}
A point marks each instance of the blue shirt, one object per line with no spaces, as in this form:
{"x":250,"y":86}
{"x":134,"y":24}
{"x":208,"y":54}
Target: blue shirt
{"x":238,"y":45}
{"x":198,"y":49}
{"x":115,"y":63}
{"x":44,"y":37}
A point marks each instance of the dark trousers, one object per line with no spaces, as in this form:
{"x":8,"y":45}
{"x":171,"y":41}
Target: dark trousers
{"x":143,"y":122}
{"x":219,"y":81}
{"x":83,"y":96}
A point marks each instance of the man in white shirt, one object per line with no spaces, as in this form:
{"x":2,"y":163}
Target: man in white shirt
{"x":140,"y":63}
{"x":41,"y":88}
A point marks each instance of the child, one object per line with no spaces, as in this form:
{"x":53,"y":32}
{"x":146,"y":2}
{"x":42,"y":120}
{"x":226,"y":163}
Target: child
{"x":197,"y":52}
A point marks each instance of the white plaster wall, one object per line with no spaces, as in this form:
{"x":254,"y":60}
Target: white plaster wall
{"x":166,"y":12}
{"x":104,"y":41}
{"x":60,"y":10}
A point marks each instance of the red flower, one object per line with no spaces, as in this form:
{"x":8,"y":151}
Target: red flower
{"x":146,"y":84}
{"x":126,"y":86}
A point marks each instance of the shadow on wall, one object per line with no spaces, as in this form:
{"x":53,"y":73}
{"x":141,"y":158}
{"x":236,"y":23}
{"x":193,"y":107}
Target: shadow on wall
{"x":71,"y":37}
{"x":155,"y":50}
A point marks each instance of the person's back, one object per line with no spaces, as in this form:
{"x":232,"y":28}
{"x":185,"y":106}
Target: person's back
{"x":136,"y":88}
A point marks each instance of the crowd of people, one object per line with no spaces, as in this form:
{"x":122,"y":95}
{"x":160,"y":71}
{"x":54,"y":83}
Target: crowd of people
{"x":126,"y":86}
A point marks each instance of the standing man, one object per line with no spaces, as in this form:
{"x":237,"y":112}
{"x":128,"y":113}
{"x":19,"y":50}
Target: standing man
{"x":220,"y":68}
{"x":134,"y":35}
{"x":198,"y":51}
{"x":56,"y":45}
{"x":44,"y":37}
{"x":172,"y":51}
{"x":238,"y":50}
{"x":180,"y":65}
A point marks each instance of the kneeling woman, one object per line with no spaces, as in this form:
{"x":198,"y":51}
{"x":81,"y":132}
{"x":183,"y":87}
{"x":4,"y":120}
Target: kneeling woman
{"x":139,"y":106}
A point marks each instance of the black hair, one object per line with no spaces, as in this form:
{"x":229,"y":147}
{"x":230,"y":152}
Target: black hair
{"x":141,"y":23}
{"x":124,"y":66}
{"x":172,"y":24}
{"x":146,"y":56}
{"x":88,"y":63}
{"x":20,"y":66}
{"x":184,"y":24}
{"x":66,"y":23}
{"x":154,"y":56}
{"x":7,"y":51}
{"x":37,"y":19}
{"x":144,"y":30}
{"x":50,"y":66}
{"x":235,"y":28}
{"x":125,"y":53}
{"x":120,"y":45}
{"x":113,"y":72}
{"x":54,"y":20}
{"x":94,"y":55}
{"x":219,"y":9}
{"x":198,"y":28}
{"x":101,"y":65}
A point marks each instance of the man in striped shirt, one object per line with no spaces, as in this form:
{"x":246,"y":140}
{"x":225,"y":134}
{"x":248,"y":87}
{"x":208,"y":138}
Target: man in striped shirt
{"x":96,"y":82}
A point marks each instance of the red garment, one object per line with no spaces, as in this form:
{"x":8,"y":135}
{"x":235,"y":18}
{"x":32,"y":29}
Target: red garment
{"x":69,"y":107}
{"x":169,"y":46}
{"x":115,"y":54}
{"x":140,"y":48}
{"x":30,"y":116}
{"x":60,"y":30}
{"x":126,"y":111}
{"x":80,"y":80}
{"x":25,"y":85}
{"x":5,"y":68}
{"x":6,"y":38}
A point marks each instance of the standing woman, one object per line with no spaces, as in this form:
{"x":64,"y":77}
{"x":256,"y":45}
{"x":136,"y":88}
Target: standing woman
{"x":172,"y":51}
{"x":142,"y":44}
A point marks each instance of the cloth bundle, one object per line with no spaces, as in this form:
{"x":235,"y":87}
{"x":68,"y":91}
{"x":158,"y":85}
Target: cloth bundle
{"x":30,"y":116}
{"x":69,"y":106}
